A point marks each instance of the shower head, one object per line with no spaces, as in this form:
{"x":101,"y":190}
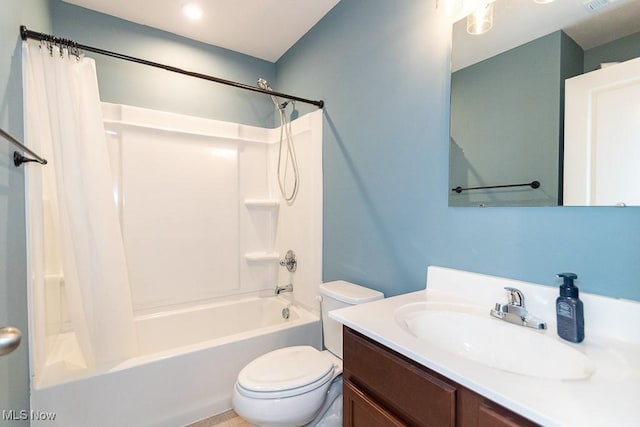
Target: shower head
{"x":263,"y":84}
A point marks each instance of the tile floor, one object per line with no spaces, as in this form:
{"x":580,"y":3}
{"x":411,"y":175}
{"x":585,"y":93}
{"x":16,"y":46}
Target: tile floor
{"x":226,"y":419}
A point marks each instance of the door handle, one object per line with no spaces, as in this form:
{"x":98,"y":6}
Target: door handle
{"x":9,"y":339}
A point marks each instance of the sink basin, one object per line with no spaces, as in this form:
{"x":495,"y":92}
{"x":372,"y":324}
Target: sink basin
{"x":470,"y":332}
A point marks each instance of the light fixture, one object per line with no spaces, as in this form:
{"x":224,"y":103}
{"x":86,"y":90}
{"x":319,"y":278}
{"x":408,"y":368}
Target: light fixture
{"x":192,"y":11}
{"x":543,"y":1}
{"x":480,"y":20}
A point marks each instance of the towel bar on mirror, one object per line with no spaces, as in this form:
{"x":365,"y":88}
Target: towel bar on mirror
{"x":532,"y":184}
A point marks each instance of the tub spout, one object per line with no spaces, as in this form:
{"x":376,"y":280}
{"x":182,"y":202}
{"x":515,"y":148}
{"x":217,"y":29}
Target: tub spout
{"x":280,"y":289}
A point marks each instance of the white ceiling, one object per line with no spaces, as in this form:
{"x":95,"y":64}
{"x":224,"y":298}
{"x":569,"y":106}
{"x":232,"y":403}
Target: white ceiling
{"x":520,"y":21}
{"x":265,"y":29}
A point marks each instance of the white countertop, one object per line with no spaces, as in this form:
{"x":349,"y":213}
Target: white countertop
{"x":609,"y":397}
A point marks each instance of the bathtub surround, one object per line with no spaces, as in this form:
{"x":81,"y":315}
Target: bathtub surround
{"x":203,"y":227}
{"x":213,"y":190}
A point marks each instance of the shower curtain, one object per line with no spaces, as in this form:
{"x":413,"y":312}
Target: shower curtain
{"x":63,"y":121}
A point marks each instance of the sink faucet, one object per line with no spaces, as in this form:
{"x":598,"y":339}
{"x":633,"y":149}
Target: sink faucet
{"x":515,"y":312}
{"x":280,"y":289}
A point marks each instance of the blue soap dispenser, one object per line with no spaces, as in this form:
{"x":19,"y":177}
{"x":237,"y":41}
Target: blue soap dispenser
{"x":570,"y":310}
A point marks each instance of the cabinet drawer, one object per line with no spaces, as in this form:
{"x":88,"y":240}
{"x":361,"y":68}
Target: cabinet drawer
{"x":398,"y":383}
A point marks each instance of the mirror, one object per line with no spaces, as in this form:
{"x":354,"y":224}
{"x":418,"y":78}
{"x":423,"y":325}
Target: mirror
{"x":508,"y":105}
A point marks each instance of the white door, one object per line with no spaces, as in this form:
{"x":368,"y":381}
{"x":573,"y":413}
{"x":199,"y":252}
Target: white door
{"x":602,"y":137}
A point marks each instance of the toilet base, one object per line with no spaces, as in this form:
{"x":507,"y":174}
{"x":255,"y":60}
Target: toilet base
{"x":330,"y":415}
{"x":290,"y":412}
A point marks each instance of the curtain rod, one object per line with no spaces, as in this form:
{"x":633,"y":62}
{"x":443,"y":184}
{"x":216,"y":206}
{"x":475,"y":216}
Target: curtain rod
{"x":28,"y":34}
{"x":18,"y":158}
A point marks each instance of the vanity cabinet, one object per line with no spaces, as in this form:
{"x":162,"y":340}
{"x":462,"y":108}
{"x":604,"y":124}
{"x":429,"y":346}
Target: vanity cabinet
{"x":384,"y":388}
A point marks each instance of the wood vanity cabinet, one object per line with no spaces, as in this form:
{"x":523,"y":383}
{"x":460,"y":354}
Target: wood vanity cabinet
{"x":383,"y":388}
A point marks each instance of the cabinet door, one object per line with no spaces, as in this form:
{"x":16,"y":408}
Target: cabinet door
{"x":399,"y":384}
{"x":492,"y":417}
{"x":360,"y":411}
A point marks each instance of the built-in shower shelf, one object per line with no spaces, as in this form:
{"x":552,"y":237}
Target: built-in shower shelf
{"x":262,"y":257}
{"x":262,"y":203}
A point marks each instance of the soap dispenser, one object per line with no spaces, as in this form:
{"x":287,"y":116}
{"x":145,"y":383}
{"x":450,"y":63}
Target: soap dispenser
{"x":569,"y":310}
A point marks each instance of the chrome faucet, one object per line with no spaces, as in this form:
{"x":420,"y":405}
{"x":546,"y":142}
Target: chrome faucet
{"x":289,"y":261}
{"x":515,"y":312}
{"x":280,"y":289}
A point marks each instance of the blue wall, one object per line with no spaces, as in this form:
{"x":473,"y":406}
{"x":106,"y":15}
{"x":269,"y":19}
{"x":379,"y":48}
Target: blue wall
{"x":128,"y":83}
{"x":383,"y":69}
{"x":616,"y":51}
{"x":14,"y":374}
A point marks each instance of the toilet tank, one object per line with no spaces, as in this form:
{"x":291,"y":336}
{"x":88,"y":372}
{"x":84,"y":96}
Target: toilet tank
{"x":336,"y":295}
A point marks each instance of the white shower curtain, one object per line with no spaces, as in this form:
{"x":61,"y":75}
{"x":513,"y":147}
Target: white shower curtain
{"x":63,"y":122}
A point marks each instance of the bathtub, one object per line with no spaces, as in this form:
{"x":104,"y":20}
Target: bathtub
{"x":189,"y":360}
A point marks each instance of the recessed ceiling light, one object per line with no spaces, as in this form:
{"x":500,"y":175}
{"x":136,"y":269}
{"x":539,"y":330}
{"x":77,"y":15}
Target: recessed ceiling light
{"x":192,"y":11}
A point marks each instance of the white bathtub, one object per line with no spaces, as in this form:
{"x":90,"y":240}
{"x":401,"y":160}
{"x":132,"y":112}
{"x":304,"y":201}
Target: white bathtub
{"x":188,"y":363}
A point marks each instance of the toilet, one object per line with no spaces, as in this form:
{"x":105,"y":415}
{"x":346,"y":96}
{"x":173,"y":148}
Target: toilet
{"x":297,"y":386}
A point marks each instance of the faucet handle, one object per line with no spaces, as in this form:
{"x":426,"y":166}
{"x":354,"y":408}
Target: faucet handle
{"x":500,"y":308}
{"x":515,"y":297}
{"x":289,"y":261}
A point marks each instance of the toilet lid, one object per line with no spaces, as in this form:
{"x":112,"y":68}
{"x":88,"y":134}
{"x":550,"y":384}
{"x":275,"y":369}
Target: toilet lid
{"x":285,"y":369}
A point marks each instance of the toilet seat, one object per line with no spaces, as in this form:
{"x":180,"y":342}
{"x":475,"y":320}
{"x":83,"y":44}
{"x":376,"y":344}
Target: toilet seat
{"x":285,"y":372}
{"x":285,"y":393}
